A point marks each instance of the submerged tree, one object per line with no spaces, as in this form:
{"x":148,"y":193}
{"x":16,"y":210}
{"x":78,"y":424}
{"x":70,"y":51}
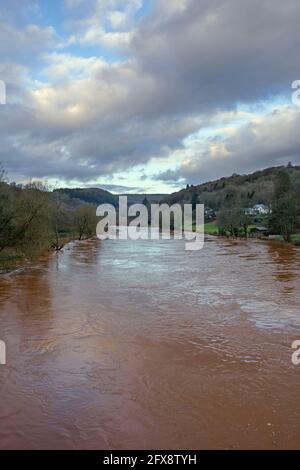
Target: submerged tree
{"x":85,"y":221}
{"x":59,"y":216}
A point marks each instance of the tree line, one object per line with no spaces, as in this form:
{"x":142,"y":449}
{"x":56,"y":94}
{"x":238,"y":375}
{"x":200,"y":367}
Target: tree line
{"x":33,"y":219}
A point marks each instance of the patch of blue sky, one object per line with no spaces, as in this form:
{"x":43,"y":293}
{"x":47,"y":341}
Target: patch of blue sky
{"x":145,"y":9}
{"x":268,"y":103}
{"x":86,"y":51}
{"x":52,"y":14}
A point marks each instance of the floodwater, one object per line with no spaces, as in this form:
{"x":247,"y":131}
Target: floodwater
{"x":143,"y":345}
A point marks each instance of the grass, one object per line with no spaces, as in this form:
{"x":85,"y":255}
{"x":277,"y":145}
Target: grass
{"x":209,"y":228}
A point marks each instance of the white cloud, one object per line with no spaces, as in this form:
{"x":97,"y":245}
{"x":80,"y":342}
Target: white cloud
{"x":66,"y":66}
{"x":24,"y":44}
{"x":109,"y":22}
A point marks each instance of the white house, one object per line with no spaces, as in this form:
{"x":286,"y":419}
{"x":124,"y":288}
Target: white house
{"x":258,"y":209}
{"x":262,"y":209}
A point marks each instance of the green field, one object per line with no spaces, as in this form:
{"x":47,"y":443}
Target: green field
{"x":210,"y":228}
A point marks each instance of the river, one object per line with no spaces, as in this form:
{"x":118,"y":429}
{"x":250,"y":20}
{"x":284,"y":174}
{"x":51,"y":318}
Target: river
{"x":143,"y":345}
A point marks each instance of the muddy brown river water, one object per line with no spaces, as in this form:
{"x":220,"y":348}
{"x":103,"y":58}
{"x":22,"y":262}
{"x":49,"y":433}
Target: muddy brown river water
{"x":142,"y":345}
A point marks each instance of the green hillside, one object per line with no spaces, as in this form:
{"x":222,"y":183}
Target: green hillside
{"x":255,"y":188}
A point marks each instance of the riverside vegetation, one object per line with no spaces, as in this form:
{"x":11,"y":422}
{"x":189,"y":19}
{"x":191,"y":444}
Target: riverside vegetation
{"x":34,"y":220}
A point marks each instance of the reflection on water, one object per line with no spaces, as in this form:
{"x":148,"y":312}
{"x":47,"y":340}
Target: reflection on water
{"x":127,"y":344}
{"x":285,"y":257}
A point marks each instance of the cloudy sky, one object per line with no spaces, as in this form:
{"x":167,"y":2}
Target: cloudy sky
{"x":147,"y":95}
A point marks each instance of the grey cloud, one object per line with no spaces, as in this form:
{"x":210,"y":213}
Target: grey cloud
{"x":22,"y":45}
{"x":19,"y":11}
{"x":85,"y":154}
{"x":273,"y":141}
{"x":220,"y":52}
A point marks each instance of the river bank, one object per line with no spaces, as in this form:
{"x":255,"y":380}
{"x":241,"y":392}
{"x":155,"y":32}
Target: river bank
{"x":212,"y":229}
{"x":10,"y":261}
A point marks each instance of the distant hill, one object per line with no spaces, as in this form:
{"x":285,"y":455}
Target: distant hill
{"x":254,"y":188}
{"x":139,"y":198}
{"x":78,"y":196}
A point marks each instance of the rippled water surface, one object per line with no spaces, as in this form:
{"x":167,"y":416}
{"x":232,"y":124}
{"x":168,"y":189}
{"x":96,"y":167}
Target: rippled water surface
{"x":143,"y":345}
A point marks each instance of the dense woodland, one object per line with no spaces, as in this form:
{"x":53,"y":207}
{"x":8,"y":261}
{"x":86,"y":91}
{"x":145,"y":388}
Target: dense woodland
{"x":254,"y":188}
